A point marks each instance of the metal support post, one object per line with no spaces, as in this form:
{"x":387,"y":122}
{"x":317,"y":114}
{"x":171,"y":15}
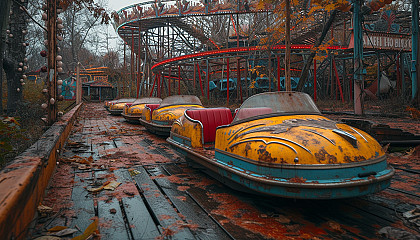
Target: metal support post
{"x":414,"y":46}
{"x":358,"y":58}
{"x":52,"y":68}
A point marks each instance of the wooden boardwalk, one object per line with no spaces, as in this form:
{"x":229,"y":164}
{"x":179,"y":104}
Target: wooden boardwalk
{"x":138,"y":187}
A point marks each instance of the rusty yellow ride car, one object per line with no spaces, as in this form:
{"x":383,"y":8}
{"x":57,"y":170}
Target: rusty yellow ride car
{"x":158,"y":118}
{"x":116,"y":108}
{"x":279,"y":144}
{"x":132,"y":111}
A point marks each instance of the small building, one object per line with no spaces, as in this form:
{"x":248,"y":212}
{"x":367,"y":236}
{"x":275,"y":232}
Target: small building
{"x":96,"y":85}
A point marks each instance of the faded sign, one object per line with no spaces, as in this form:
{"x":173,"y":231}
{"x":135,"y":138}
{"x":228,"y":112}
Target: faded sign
{"x":384,"y":41}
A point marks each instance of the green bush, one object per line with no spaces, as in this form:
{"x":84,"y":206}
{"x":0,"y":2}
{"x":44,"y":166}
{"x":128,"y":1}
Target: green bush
{"x":10,"y":132}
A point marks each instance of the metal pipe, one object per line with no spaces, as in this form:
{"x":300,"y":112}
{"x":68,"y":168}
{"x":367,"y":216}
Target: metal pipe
{"x":414,"y":46}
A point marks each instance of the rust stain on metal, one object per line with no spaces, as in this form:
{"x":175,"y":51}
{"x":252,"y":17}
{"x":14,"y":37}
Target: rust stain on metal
{"x":247,"y":148}
{"x":264,"y":155}
{"x":322,"y":156}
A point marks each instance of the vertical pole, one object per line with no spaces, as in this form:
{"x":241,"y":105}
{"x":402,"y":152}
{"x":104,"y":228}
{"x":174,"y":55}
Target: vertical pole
{"x":159,"y":90}
{"x":414,"y":46}
{"x":139,"y":75}
{"x":52,"y":68}
{"x":402,"y":75}
{"x":78,"y":85}
{"x":288,"y":80}
{"x":239,"y":80}
{"x":246,"y":77}
{"x":195,"y":73}
{"x":153,"y":87}
{"x":169,"y":82}
{"x":358,"y":57}
{"x":199,"y":79}
{"x":338,"y":80}
{"x":208,"y":78}
{"x":227,"y":82}
{"x":397,"y":66}
{"x":124,"y":71}
{"x":179,"y":80}
{"x":314,"y":80}
{"x":378,"y":72}
{"x":278,"y":72}
{"x":132,"y":62}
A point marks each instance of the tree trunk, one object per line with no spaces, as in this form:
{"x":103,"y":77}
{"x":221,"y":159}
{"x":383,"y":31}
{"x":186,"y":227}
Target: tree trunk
{"x":4,"y":17}
{"x":305,"y":71}
{"x":15,"y":55}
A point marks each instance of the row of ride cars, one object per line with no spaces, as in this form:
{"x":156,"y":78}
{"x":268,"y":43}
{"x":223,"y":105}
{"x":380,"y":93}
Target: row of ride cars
{"x":276,"y":143}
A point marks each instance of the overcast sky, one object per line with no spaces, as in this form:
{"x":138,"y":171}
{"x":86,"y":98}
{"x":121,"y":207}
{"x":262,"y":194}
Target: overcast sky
{"x":115,"y":5}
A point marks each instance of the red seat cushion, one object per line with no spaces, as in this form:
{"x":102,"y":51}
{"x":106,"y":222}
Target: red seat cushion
{"x":152,"y":106}
{"x":210,"y":118}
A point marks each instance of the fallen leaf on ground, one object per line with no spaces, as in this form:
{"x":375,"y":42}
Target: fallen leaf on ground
{"x":47,"y":238}
{"x":112,"y":185}
{"x":44,"y":210}
{"x":65,"y":232}
{"x":56,"y":228}
{"x":92,"y":228}
{"x":133,"y":172}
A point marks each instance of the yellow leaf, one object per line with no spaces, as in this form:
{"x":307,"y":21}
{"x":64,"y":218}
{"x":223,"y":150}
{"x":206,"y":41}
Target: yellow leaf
{"x":56,"y":228}
{"x":93,"y":227}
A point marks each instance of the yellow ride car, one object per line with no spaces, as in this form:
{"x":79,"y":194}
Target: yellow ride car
{"x":279,"y":144}
{"x":132,"y":111}
{"x":116,"y":107}
{"x":158,"y":118}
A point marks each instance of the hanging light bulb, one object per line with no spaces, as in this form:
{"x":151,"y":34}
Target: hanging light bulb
{"x":7,"y":31}
{"x":44,"y":90}
{"x":59,"y":64}
{"x":58,"y":49}
{"x":59,"y":20}
{"x":44,"y":105}
{"x":52,"y":101}
{"x":59,"y":69}
{"x":59,"y":58}
{"x":44,"y":16}
{"x":25,"y":68}
{"x":25,"y":59}
{"x":59,"y":37}
{"x":21,"y":64}
{"x":18,"y":89}
{"x":19,"y":69}
{"x":45,"y":42}
{"x":22,"y":83}
{"x":21,"y":80}
{"x":24,"y":76}
{"x":60,"y":82}
{"x":10,"y":35}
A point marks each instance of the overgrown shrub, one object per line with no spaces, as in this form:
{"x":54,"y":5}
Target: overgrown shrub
{"x":10,"y":132}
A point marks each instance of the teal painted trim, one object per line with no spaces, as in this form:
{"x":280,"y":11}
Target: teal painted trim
{"x":300,"y":192}
{"x":310,"y":175}
{"x":163,"y":123}
{"x":182,"y":141}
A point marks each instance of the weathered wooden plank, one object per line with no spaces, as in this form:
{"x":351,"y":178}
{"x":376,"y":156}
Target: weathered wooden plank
{"x":111,"y":221}
{"x":172,"y":224}
{"x":202,"y":225}
{"x":200,"y":195}
{"x":83,"y":202}
{"x":139,"y":219}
